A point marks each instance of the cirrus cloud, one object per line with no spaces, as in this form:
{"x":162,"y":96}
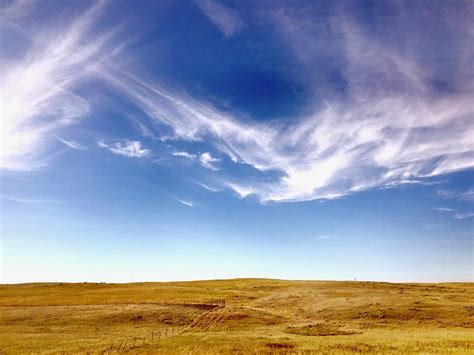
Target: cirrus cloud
{"x":131,"y":149}
{"x":464,"y":215}
{"x":37,"y":98}
{"x":397,"y":122}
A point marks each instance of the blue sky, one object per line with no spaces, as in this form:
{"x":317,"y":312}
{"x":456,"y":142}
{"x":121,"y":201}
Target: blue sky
{"x":176,"y":140}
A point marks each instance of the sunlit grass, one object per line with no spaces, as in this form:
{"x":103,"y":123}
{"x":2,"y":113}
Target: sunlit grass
{"x":260,"y":316}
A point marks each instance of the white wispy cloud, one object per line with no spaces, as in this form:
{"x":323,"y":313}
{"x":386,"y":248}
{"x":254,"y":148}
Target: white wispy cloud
{"x":131,"y":149}
{"x":208,"y":161}
{"x":326,"y":237}
{"x":443,"y":209}
{"x":336,"y":151}
{"x":464,"y":215}
{"x":392,"y":130}
{"x":36,"y":90}
{"x":409,"y":181}
{"x":144,"y":129}
{"x":224,"y":18}
{"x":184,"y":155}
{"x":16,"y":9}
{"x":69,"y":143}
{"x":467,"y":195}
{"x":241,"y":190}
{"x":184,"y":202}
{"x":28,"y":201}
{"x":446,"y":193}
{"x":208,"y":188}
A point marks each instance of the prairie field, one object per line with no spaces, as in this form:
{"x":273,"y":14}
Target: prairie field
{"x":259,"y":316}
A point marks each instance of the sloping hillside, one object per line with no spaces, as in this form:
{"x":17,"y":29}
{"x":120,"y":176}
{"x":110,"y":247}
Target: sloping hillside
{"x":260,"y":316}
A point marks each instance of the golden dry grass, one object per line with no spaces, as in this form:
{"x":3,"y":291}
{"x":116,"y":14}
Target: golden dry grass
{"x":261,"y":316}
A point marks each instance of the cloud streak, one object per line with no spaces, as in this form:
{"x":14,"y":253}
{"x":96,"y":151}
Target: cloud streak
{"x":443,"y":209}
{"x":467,"y":195}
{"x":130,"y":149}
{"x":71,"y":144}
{"x":184,"y":202}
{"x":375,"y":139}
{"x":207,"y":187}
{"x":208,"y":161}
{"x":27,"y":201}
{"x":37,"y":98}
{"x":224,"y":18}
{"x":184,"y":155}
{"x":464,"y":215}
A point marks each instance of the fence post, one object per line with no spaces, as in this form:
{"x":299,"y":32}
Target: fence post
{"x":111,"y":346}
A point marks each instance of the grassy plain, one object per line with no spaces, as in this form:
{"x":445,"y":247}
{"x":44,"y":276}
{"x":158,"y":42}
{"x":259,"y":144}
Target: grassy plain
{"x":260,"y":316}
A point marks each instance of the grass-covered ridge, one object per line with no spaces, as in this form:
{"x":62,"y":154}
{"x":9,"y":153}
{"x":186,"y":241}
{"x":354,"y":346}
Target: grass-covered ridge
{"x":261,"y":315}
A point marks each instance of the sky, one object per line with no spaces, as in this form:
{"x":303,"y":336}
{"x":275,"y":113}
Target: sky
{"x":181,"y":140}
